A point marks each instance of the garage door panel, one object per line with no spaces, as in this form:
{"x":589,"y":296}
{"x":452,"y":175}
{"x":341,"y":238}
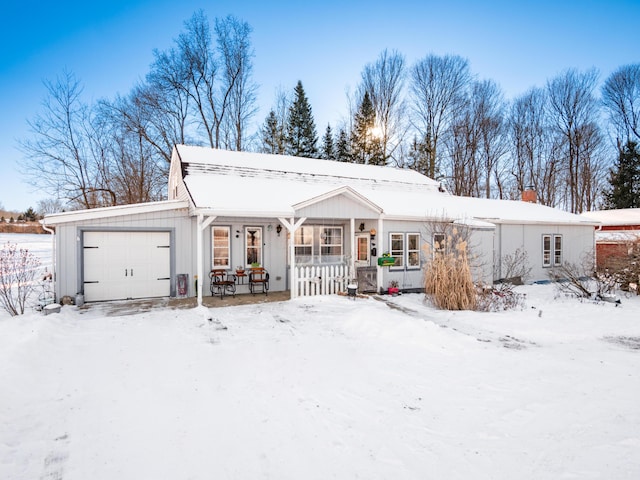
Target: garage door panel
{"x":121,"y":265}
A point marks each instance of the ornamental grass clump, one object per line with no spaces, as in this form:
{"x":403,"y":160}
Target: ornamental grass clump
{"x":448,"y":280}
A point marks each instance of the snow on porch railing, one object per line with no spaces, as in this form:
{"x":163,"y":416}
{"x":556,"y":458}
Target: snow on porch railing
{"x":321,"y":280}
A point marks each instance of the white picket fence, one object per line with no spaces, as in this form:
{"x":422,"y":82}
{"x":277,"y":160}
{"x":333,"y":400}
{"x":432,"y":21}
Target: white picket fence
{"x":321,"y":280}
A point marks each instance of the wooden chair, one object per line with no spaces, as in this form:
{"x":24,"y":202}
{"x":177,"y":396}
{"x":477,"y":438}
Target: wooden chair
{"x":221,"y":283}
{"x":258,"y":279}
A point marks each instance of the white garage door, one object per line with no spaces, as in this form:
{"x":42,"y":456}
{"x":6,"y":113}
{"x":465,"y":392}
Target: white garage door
{"x":121,"y":265}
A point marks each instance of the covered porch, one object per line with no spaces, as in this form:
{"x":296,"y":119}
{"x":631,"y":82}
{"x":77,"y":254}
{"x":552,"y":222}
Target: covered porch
{"x":317,"y":248}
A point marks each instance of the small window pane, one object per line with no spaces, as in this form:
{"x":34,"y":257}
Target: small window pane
{"x":397,"y":248}
{"x":331,"y":244}
{"x":413,"y":250}
{"x":546,"y":250}
{"x":557,"y":255}
{"x":253,"y":240}
{"x":221,"y":248}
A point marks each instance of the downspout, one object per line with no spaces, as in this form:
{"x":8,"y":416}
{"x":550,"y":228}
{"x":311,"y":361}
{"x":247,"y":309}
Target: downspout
{"x":595,"y":245}
{"x":201,"y":227}
{"x":199,"y":259}
{"x":53,"y":254}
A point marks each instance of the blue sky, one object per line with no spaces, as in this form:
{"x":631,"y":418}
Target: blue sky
{"x":108,"y":45}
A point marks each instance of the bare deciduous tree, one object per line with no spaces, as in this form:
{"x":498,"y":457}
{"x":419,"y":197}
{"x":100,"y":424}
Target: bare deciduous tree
{"x":573,"y":107}
{"x":621,"y":97}
{"x":383,"y":80}
{"x":238,"y":89}
{"x":438,"y":87}
{"x":61,"y":157}
{"x":534,"y":148}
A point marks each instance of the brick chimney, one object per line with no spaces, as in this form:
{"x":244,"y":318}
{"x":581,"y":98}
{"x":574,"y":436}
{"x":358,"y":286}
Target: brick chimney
{"x":529,"y":194}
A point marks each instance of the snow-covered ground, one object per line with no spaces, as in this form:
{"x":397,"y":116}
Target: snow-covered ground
{"x":324,"y":387}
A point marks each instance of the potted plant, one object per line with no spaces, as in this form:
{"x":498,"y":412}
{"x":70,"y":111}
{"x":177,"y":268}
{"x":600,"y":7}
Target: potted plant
{"x":393,"y":287}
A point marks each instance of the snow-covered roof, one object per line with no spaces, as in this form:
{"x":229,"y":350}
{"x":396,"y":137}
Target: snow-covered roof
{"x":246,"y":184}
{"x":625,"y":236}
{"x":619,"y":217}
{"x":108,"y":212}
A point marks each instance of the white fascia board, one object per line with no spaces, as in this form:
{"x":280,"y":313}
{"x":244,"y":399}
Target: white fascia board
{"x":501,"y":221}
{"x":110,"y":212}
{"x":243,"y":213}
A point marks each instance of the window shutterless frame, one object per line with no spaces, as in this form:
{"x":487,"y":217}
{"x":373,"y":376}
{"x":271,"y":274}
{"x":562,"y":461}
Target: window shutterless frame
{"x":413,"y":251}
{"x":253,"y":245}
{"x":396,"y":249}
{"x":551,"y":250}
{"x":221,"y":247}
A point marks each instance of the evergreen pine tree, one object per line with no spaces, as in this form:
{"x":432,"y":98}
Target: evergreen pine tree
{"x":625,"y":179}
{"x":328,"y":150}
{"x":272,"y":135}
{"x":418,"y":158}
{"x":365,"y":146}
{"x":343,"y":150}
{"x":30,"y":215}
{"x":301,"y":136}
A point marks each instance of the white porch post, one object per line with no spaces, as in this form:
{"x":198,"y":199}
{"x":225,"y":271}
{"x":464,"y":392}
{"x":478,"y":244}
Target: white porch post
{"x":291,"y":225}
{"x":201,"y":227}
{"x":380,"y":235}
{"x":352,"y":266}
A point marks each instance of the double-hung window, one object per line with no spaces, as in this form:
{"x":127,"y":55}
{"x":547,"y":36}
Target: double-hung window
{"x":551,"y":250}
{"x":221,"y":254}
{"x":331,"y":244}
{"x":413,"y":250}
{"x":439,"y":246}
{"x":405,"y":248}
{"x":303,"y":244}
{"x":397,"y":248}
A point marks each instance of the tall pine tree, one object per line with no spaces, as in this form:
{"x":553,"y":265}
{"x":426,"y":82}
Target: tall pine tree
{"x":366,"y":146}
{"x":272,"y":135}
{"x":625,"y":179}
{"x":328,"y":151}
{"x":301,"y":136}
{"x":343,"y":149}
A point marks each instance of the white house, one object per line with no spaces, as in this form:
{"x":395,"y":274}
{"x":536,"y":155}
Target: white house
{"x":313,"y":224}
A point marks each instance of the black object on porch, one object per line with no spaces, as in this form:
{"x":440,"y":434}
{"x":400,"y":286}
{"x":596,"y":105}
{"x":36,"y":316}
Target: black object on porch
{"x":221,"y":283}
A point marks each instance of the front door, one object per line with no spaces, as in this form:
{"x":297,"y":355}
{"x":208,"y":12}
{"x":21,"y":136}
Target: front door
{"x":363,"y":248}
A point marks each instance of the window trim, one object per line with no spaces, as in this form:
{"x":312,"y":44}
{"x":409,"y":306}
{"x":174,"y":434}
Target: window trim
{"x":213,"y":246}
{"x":550,"y":255}
{"x":401,"y":236}
{"x":442,"y":248}
{"x":557,"y":263}
{"x":260,"y":248}
{"x":322,"y":245}
{"x":302,"y":245}
{"x":416,"y":250}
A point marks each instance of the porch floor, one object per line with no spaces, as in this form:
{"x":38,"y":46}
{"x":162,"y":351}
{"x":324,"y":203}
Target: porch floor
{"x":131,"y":307}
